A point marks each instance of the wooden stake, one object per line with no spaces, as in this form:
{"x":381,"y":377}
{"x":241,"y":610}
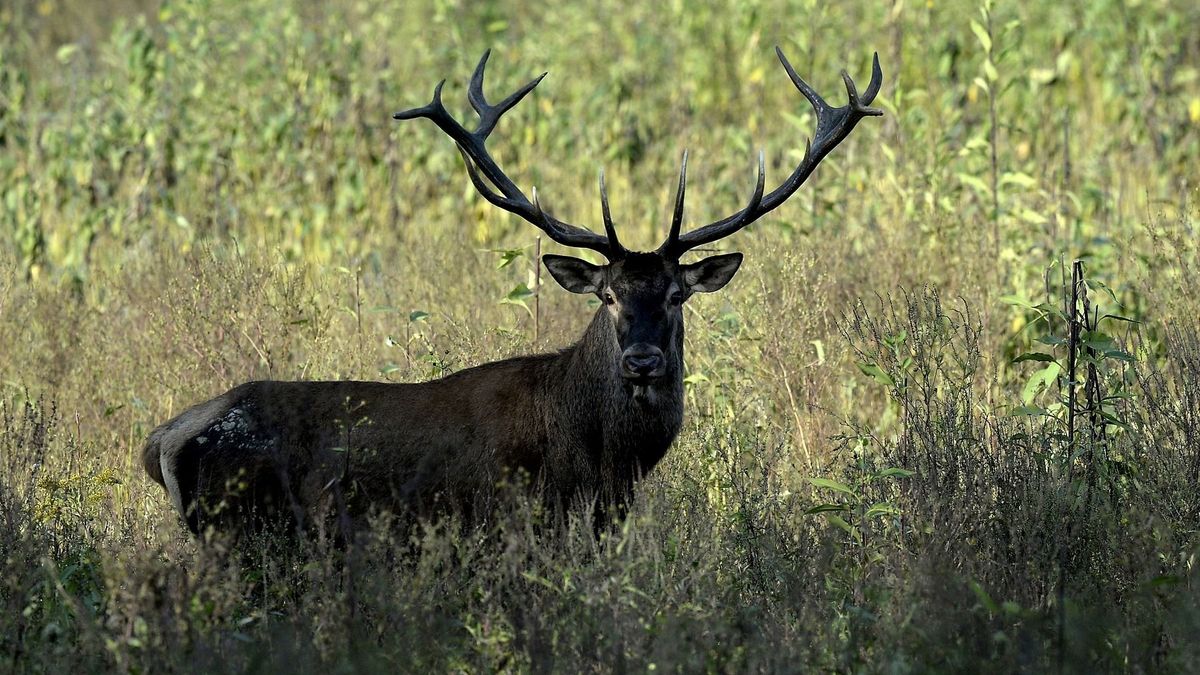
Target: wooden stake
{"x":537,"y":289}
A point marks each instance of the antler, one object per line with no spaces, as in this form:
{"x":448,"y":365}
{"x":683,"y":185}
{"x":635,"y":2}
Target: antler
{"x":510,"y":198}
{"x":833,"y":126}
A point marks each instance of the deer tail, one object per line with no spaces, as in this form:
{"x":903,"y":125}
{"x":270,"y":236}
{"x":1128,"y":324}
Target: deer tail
{"x":151,"y":457}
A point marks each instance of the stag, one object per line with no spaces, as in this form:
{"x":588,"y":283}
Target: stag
{"x":580,"y":424}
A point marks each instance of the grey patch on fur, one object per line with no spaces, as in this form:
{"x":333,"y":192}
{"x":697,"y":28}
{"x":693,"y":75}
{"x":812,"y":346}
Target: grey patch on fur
{"x":234,"y":420}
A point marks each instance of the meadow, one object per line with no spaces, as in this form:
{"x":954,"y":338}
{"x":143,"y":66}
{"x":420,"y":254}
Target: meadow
{"x":946,"y":418}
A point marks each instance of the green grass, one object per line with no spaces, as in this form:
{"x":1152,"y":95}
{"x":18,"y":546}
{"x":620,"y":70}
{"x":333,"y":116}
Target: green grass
{"x":212,"y":192}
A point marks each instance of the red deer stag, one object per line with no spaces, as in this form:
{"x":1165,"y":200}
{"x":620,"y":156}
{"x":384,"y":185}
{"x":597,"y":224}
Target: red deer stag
{"x":583,"y":422}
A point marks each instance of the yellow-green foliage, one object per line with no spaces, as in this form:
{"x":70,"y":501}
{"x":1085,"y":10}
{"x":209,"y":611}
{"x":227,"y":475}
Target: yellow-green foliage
{"x":200,"y":193}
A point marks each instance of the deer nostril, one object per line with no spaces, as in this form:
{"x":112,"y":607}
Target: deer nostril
{"x":643,"y":363}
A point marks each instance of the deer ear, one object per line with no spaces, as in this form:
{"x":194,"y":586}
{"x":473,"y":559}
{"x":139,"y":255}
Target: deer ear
{"x":711,"y":274}
{"x":573,"y":274}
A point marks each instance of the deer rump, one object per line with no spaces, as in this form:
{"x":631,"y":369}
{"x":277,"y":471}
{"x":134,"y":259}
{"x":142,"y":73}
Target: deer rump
{"x":270,"y":453}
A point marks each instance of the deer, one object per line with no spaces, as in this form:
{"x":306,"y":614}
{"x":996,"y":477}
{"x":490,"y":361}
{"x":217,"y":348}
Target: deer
{"x":585,"y":422}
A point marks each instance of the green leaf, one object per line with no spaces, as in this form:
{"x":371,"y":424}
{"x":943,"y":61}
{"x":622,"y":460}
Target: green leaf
{"x":826,"y":508}
{"x":877,"y":373}
{"x":1018,"y":178}
{"x":842,"y":524}
{"x":894,"y":341}
{"x":1053,"y":310}
{"x":976,"y":143}
{"x":1030,"y":216}
{"x":1042,"y":75}
{"x":820,"y":347}
{"x":894,"y":472}
{"x":882,"y":509}
{"x":530,"y":576}
{"x":1039,"y":380}
{"x":65,"y":52}
{"x":833,"y":485}
{"x":975,"y":183}
{"x":981,"y":33}
{"x":417,"y":315}
{"x":1093,"y":283}
{"x":1027,"y":411}
{"x":517,"y":296}
{"x":507,"y":256}
{"x":983,"y":597}
{"x":1034,"y":356}
{"x":1165,"y":580}
{"x":1098,"y":341}
{"x":989,"y":70}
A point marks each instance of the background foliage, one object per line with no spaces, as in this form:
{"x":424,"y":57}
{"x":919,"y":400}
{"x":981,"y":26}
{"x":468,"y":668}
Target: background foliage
{"x":880,"y":470}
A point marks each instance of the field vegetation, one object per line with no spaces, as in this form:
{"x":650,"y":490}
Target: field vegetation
{"x":946,"y":418}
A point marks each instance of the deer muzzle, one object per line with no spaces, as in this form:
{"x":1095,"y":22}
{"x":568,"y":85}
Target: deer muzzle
{"x":643,"y":362}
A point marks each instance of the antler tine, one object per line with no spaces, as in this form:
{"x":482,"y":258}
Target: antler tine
{"x":490,"y":114}
{"x":482,"y":186}
{"x":677,"y":216}
{"x":833,"y":126}
{"x":537,"y":203}
{"x":674,"y":249}
{"x":876,"y":81}
{"x":480,"y":163}
{"x":563,"y":233}
{"x":756,"y":198}
{"x":857,"y":104}
{"x":615,"y":244}
{"x":433,"y":110}
{"x":819,"y":105}
{"x":475,"y":88}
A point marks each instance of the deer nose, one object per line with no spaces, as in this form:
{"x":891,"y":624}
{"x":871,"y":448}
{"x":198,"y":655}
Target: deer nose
{"x":642,"y":361}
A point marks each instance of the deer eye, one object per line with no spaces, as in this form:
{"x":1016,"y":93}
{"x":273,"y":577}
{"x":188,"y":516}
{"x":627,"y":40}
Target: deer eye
{"x":608,"y":298}
{"x":677,"y":298}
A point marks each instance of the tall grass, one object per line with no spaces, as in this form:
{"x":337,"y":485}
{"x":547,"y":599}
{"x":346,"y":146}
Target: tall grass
{"x":878,"y":471}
